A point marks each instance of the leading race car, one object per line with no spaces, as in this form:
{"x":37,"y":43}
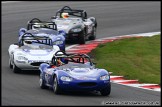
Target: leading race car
{"x":74,"y":72}
{"x":30,"y":52}
{"x":48,"y":29}
{"x":76,"y":24}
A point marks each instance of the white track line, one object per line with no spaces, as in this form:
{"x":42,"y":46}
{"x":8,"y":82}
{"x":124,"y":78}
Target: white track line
{"x":9,"y":1}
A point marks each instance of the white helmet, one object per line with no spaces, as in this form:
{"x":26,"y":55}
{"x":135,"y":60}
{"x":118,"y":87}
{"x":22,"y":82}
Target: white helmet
{"x":35,"y":27}
{"x":65,"y":15}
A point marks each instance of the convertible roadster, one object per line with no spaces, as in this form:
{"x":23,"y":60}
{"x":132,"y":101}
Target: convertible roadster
{"x":76,"y":24}
{"x":74,"y":72}
{"x":30,"y":52}
{"x":48,"y":29}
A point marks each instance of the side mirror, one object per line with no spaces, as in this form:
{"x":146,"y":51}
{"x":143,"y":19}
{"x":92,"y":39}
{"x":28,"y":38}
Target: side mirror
{"x":53,"y":17}
{"x":22,"y":31}
{"x":62,"y":32}
{"x":95,"y":63}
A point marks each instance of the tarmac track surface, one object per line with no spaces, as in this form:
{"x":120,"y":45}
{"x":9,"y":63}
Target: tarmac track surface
{"x":114,"y":19}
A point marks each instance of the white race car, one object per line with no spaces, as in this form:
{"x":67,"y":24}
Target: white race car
{"x":30,"y":52}
{"x":76,"y":24}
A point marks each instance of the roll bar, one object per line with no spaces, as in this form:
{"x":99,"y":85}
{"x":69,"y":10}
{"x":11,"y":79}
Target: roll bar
{"x":72,"y":12}
{"x":41,"y":24}
{"x":62,"y":54}
{"x":29,"y":36}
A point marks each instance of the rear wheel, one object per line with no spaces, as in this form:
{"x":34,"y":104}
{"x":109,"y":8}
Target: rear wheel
{"x":82,"y":37}
{"x":56,"y":88}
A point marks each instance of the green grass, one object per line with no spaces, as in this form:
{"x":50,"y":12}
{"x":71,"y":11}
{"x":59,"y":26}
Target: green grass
{"x":134,"y":58}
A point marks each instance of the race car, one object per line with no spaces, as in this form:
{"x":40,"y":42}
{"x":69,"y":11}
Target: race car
{"x":76,"y":24}
{"x":73,"y":72}
{"x":30,"y":52}
{"x":48,"y":29}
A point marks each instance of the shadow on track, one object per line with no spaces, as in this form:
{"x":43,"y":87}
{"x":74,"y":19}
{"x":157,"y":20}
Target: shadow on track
{"x":29,"y":72}
{"x":78,"y":93}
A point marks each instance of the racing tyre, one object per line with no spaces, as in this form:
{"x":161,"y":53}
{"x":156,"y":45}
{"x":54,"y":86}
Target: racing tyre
{"x":42,"y":82}
{"x":106,"y":91}
{"x":82,"y":37}
{"x":93,"y":36}
{"x":56,"y":88}
{"x":10,"y":65}
{"x":15,"y":69}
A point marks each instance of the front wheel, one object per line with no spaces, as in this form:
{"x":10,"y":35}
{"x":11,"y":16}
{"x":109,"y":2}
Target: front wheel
{"x":42,"y":82}
{"x":56,"y":88}
{"x":93,"y":36}
{"x":82,"y":37}
{"x":15,"y":69}
{"x":106,"y":91}
{"x":10,"y":63}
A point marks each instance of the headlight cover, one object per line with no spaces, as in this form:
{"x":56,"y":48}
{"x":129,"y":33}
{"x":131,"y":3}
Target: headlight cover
{"x":22,"y":58}
{"x":66,"y":78}
{"x":76,"y":29}
{"x":104,"y":77}
{"x":58,"y":42}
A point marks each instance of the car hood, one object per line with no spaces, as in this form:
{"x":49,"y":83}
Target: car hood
{"x":83,"y":73}
{"x":37,"y":52}
{"x":66,"y":25}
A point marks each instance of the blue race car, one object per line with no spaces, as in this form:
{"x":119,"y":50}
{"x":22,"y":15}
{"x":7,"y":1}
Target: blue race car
{"x":45,"y":29}
{"x":74,"y":72}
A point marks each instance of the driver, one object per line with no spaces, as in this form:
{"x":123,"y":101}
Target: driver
{"x":40,"y":26}
{"x":65,"y":15}
{"x":30,"y":44}
{"x":59,"y":63}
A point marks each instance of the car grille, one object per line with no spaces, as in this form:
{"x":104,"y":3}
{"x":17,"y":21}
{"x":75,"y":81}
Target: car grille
{"x":36,"y":63}
{"x":87,"y":84}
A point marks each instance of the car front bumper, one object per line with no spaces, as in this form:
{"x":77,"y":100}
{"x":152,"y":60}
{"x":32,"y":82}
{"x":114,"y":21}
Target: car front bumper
{"x":73,"y":36}
{"x":84,"y":85}
{"x":29,"y":65}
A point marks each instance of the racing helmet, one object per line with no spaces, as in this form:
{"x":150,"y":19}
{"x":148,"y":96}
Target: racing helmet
{"x":27,"y":42}
{"x":65,"y":15}
{"x":36,"y":27}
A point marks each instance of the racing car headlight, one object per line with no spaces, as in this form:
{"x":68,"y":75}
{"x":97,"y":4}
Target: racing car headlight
{"x":22,"y":58}
{"x":65,"y":78}
{"x":76,"y":30}
{"x":58,"y":42}
{"x":105,"y":77}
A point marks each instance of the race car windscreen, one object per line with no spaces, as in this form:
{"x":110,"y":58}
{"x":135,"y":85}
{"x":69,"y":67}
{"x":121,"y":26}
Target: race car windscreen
{"x":68,"y":21}
{"x":49,"y":25}
{"x":35,"y":39}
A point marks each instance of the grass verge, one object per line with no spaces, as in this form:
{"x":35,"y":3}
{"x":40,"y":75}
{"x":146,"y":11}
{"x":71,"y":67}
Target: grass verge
{"x":134,"y":58}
